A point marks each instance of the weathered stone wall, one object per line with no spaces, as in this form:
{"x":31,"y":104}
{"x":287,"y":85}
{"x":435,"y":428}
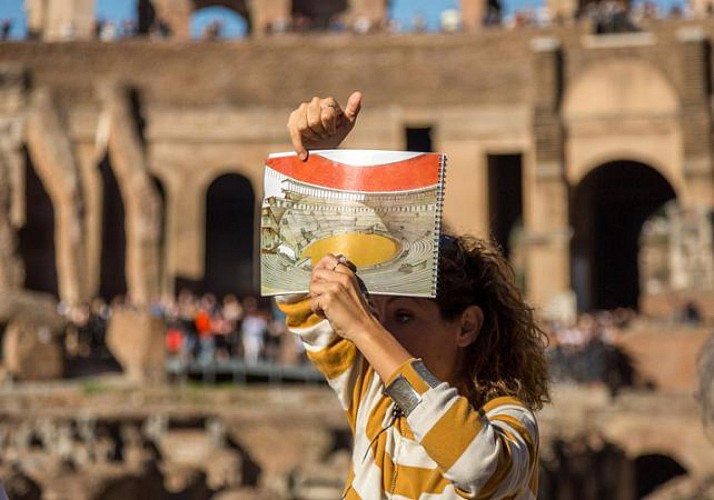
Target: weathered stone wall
{"x":109,"y":440}
{"x":216,"y":108}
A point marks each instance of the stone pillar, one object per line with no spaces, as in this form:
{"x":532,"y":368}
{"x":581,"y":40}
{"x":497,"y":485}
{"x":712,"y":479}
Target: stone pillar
{"x":563,"y":10}
{"x":141,"y":200}
{"x":53,"y":158}
{"x":136,"y":339}
{"x":374,"y":10}
{"x":696,"y":117}
{"x":177,"y":14}
{"x":547,"y":235}
{"x":11,"y":267}
{"x":265,"y":12}
{"x":700,"y":8}
{"x":705,"y":386}
{"x":13,"y":88}
{"x":60,"y":19}
{"x":33,"y":344}
{"x":185,"y":236}
{"x":89,"y":156}
{"x":472,"y":14}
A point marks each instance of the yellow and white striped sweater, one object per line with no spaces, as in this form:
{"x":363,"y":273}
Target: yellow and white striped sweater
{"x":444,"y":449}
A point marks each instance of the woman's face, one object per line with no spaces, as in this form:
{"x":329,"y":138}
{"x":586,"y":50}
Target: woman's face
{"x":417,"y":324}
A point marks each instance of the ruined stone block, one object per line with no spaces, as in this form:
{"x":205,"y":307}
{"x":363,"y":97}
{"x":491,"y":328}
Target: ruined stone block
{"x":136,"y":339}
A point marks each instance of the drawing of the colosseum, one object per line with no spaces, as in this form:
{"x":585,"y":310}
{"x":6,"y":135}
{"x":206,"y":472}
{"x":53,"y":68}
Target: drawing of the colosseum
{"x":380,"y":209}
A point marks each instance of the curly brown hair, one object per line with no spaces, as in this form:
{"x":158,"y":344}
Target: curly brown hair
{"x":508,"y":356}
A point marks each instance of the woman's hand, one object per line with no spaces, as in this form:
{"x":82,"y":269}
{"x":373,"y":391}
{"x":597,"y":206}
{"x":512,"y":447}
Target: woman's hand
{"x":322,"y":124}
{"x":336,"y":296}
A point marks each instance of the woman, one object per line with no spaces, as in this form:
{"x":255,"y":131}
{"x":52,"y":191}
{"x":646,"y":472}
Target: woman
{"x":438,"y":393}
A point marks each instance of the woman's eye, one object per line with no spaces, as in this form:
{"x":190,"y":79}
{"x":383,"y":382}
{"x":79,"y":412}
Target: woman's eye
{"x":403,"y":316}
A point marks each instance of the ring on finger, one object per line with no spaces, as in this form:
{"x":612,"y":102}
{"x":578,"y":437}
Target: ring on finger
{"x":341,"y":259}
{"x":326,"y":105}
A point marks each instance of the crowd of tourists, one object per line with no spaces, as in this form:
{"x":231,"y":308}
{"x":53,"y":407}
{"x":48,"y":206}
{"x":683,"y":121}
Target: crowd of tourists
{"x":587,"y":351}
{"x":205,"y":330}
{"x":199,"y":329}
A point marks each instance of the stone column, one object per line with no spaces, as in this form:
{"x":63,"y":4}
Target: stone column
{"x":563,"y":10}
{"x":13,"y":88}
{"x":374,"y":10}
{"x":696,"y":117}
{"x":56,"y":166}
{"x":89,"y":156}
{"x":60,"y":19}
{"x":472,"y":14}
{"x":11,"y":267}
{"x":547,"y":235}
{"x":141,"y":200}
{"x":177,"y":14}
{"x":265,"y":12}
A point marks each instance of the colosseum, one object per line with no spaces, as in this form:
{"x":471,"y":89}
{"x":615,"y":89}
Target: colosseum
{"x":133,"y":168}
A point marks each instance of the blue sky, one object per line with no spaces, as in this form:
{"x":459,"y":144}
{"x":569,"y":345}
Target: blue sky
{"x":403,"y":11}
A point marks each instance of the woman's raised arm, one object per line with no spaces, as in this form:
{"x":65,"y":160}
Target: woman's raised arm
{"x":322,"y":124}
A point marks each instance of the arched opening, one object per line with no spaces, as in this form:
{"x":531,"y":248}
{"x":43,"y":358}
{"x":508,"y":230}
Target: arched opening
{"x":608,"y":209}
{"x":313,"y":15}
{"x":215,"y":20}
{"x":112,"y":275}
{"x":230,"y":219}
{"x":37,"y":236}
{"x":652,"y":471}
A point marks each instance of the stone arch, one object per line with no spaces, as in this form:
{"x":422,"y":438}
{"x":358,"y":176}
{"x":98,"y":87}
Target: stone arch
{"x":632,"y":155}
{"x":622,"y":108}
{"x":230,"y":230}
{"x":608,"y":208}
{"x":620,"y":87}
{"x":218,"y":22}
{"x":177,"y":13}
{"x":240,"y":7}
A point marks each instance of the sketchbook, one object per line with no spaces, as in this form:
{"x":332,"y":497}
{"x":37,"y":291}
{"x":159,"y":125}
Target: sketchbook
{"x":380,"y":209}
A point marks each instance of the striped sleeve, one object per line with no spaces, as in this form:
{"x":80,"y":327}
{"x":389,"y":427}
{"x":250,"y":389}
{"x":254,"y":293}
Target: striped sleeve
{"x":486,"y":453}
{"x":336,"y":358}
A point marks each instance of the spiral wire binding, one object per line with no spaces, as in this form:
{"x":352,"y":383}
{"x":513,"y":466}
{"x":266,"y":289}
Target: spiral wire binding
{"x":440,"y":194}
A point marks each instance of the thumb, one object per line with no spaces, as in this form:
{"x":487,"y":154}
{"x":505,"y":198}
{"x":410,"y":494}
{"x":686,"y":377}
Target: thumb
{"x":353,"y":106}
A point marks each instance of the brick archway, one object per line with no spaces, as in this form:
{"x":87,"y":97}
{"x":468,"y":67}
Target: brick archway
{"x":608,"y":208}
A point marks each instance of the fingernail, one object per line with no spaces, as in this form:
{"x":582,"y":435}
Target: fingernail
{"x":303,"y":156}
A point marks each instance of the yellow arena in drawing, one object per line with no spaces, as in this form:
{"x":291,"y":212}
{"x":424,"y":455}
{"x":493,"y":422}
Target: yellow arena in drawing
{"x":362,"y":249}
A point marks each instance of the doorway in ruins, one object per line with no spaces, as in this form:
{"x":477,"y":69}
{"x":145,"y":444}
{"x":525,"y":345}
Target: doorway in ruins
{"x":36,"y":238}
{"x":505,"y":199}
{"x":112,"y":270}
{"x":608,"y":209}
{"x":653,"y":471}
{"x":230,"y":236}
